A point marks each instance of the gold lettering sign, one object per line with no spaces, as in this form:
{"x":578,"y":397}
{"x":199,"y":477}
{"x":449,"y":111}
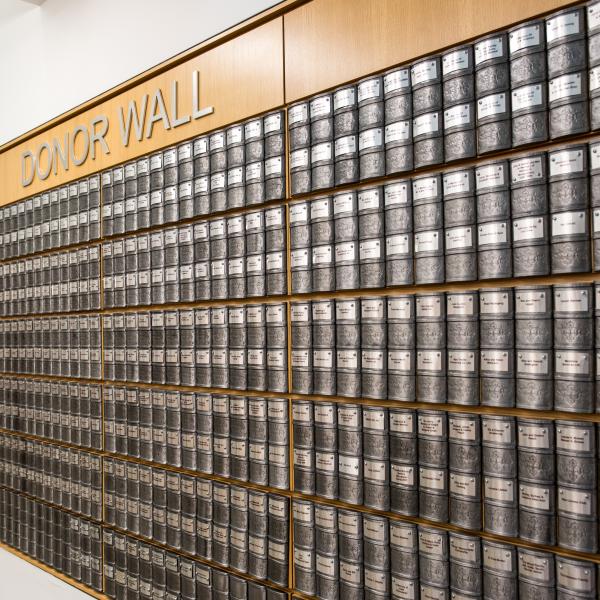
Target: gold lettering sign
{"x":138,"y":119}
{"x":240,"y":77}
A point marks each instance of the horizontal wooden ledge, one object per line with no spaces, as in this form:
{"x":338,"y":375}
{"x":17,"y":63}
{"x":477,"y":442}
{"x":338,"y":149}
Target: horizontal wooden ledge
{"x":230,"y":212}
{"x":205,"y":390}
{"x":50,"y":378}
{"x":580,"y":138}
{"x":51,"y":315}
{"x":44,"y":440}
{"x":457,"y":408}
{"x":441,"y":168}
{"x":289,"y":198}
{"x":62,"y":576}
{"x":444,"y":407}
{"x":153,"y":307}
{"x":204,"y":561}
{"x":411,"y":289}
{"x":595,"y":558}
{"x":52,"y":505}
{"x":61,"y":249}
{"x":451,"y":286}
{"x":199,"y":474}
{"x":279,"y":299}
{"x":364,"y":510}
{"x":296,"y":595}
{"x":148,"y":463}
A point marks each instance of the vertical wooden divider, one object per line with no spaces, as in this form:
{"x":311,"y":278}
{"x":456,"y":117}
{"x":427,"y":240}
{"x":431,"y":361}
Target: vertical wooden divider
{"x":101,"y":384}
{"x":288,"y":246}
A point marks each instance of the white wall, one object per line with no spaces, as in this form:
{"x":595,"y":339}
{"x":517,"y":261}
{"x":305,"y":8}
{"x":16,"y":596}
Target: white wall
{"x":64,"y":52}
{"x":19,"y":579}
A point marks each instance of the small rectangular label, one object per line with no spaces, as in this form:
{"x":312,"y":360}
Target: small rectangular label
{"x":494,"y":104}
{"x":501,"y":490}
{"x":498,"y":559}
{"x":403,"y":475}
{"x":569,"y":223}
{"x":347,"y":145}
{"x":457,"y":183}
{"x":424,"y":71}
{"x":564,"y":86}
{"x":455,"y":61}
{"x":370,"y":138}
{"x":562,"y":26}
{"x":524,"y":37}
{"x":494,"y":361}
{"x":464,"y":485}
{"x":399,"y":360}
{"x":459,"y":238}
{"x":573,"y":439}
{"x":432,"y":479}
{"x":571,"y":363}
{"x":490,"y":234}
{"x":461,"y":361}
{"x":457,"y":116}
{"x":429,"y":360}
{"x":322,"y":152}
{"x":576,"y":578}
{"x":425,"y":187}
{"x":427,"y":241}
{"x":533,"y":363}
{"x":566,"y":162}
{"x":577,"y":502}
{"x":532,"y":496}
{"x":488,"y":49}
{"x":425,"y":124}
{"x":369,"y":89}
{"x":527,"y":97}
{"x":396,"y":132}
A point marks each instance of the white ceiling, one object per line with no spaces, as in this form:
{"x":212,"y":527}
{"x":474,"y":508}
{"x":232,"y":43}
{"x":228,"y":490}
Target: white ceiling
{"x":13,"y":8}
{"x":59,"y":54}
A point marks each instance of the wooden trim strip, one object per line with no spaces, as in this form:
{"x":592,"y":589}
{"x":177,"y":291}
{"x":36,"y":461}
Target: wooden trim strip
{"x":146,"y":230}
{"x":511,"y":153}
{"x":53,"y":505}
{"x":209,"y":563}
{"x":546,"y":146}
{"x":140,"y":461}
{"x":595,"y":558}
{"x":443,"y":407}
{"x":44,"y":440}
{"x":518,"y":542}
{"x":512,"y":282}
{"x":321,"y":500}
{"x":289,"y":199}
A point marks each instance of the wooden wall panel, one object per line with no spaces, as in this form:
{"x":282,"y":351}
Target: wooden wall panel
{"x":240,"y":78}
{"x":329,"y":42}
